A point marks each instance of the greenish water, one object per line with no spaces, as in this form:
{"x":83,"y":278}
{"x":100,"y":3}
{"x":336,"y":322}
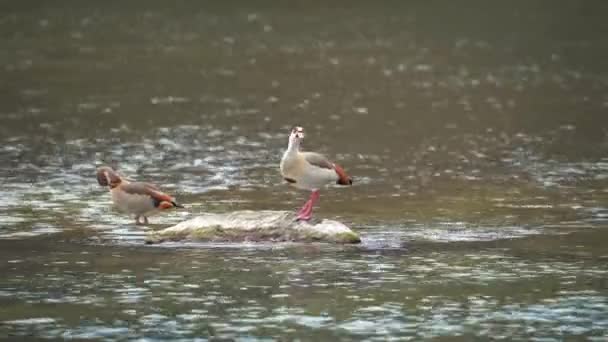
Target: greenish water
{"x":477,"y":137}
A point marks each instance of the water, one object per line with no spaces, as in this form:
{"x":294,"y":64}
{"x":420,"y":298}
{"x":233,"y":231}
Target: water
{"x":477,"y":138}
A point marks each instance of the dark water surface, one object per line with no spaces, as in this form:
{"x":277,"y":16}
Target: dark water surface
{"x":477,"y":137}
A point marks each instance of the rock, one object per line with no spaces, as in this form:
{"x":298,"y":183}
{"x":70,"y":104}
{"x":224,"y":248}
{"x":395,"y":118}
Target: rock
{"x":254,"y":226}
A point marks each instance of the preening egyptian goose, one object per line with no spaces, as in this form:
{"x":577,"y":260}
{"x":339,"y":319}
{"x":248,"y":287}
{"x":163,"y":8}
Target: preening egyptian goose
{"x":309,"y":171}
{"x":135,"y":198}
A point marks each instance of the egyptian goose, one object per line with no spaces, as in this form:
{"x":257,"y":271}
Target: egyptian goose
{"x":135,"y":198}
{"x":309,"y":171}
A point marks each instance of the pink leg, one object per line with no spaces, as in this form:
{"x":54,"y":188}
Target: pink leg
{"x":305,"y":207}
{"x":305,"y":213}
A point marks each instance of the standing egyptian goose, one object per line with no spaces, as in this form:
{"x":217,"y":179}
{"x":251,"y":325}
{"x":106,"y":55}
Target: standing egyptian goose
{"x":135,"y":198}
{"x":309,"y":171}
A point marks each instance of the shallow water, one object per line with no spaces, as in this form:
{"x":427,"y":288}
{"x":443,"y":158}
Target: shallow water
{"x":479,"y":157}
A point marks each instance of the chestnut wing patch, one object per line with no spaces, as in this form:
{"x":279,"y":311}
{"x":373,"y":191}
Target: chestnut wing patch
{"x":146,"y":189}
{"x":319,"y":160}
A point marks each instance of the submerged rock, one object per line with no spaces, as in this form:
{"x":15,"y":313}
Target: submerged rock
{"x":254,"y":226}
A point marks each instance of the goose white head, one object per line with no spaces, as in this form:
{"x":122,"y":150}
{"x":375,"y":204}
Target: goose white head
{"x":295,"y":138}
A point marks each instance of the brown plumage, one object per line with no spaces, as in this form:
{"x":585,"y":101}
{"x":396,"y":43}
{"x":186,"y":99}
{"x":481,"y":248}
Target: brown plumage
{"x":135,"y":198}
{"x":107,"y":176}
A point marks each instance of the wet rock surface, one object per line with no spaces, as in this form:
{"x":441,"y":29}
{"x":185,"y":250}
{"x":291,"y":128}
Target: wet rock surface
{"x":255,"y":226}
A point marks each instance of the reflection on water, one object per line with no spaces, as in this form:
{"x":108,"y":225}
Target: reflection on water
{"x":421,"y":291}
{"x":479,"y":158}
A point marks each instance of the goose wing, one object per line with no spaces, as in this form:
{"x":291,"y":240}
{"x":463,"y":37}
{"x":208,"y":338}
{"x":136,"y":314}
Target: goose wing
{"x":151,"y":190}
{"x":319,"y":160}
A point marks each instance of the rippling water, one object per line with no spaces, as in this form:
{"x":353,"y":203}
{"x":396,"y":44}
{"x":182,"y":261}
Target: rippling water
{"x":477,"y":139}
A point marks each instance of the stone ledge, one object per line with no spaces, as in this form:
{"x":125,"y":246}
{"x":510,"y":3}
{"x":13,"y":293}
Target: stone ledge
{"x":255,"y":226}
